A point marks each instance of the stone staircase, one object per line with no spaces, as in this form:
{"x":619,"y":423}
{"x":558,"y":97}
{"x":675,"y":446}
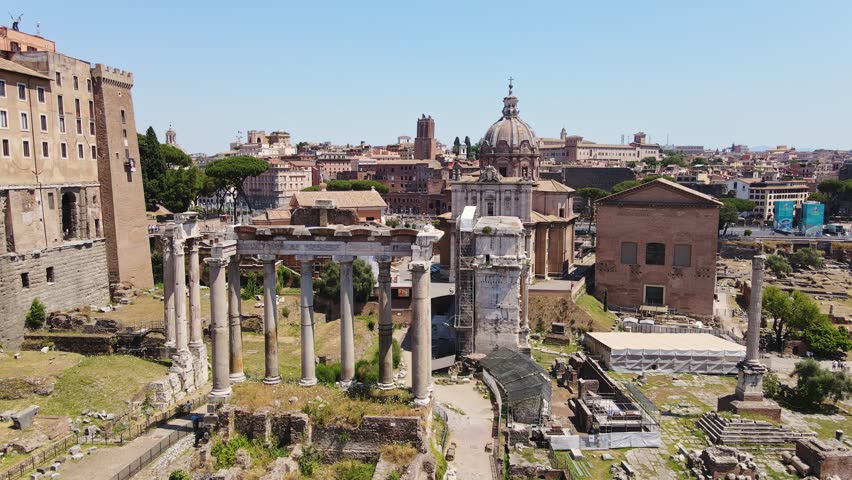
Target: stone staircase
{"x":739,"y":431}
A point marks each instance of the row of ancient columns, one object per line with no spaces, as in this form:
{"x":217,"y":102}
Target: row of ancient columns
{"x":184,"y":335}
{"x":227,"y":368}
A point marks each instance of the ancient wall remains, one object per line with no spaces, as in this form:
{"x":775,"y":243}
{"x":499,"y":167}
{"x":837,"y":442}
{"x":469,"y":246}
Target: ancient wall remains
{"x":62,"y":278}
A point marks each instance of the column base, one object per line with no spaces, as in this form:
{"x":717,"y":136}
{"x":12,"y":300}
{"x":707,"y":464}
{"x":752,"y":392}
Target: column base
{"x":307,"y":382}
{"x":345,"y":384}
{"x":386,"y":386}
{"x":422,"y":402}
{"x":272,"y":380}
{"x":217,"y":397}
{"x":237,"y":377}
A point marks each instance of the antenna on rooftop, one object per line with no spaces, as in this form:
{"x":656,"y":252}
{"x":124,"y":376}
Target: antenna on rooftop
{"x":16,"y":21}
{"x":38,"y":28}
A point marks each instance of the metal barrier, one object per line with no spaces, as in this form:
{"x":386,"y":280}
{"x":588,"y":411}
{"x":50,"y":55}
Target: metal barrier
{"x":143,"y":460}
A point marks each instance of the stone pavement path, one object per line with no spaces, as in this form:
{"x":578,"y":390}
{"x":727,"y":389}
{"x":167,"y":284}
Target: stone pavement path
{"x":470,"y":431}
{"x":108,"y":461}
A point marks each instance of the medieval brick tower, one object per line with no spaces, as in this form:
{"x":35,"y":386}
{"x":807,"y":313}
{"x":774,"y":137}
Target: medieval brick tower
{"x":424,"y":143}
{"x":123,"y":200}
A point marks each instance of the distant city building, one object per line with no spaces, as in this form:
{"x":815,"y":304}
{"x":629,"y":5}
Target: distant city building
{"x":765,"y":193}
{"x":584,"y":151}
{"x":656,"y":247}
{"x":685,"y":149}
{"x":425,"y":147}
{"x":274,"y":187}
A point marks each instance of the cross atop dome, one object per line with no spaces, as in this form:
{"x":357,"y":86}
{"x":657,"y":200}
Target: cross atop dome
{"x":510,"y":85}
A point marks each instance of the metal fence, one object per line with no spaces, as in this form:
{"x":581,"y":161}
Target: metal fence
{"x":150,"y":455}
{"x":62,"y":445}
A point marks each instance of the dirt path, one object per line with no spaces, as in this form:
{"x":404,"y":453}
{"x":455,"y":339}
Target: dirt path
{"x":108,"y":461}
{"x":469,"y":419}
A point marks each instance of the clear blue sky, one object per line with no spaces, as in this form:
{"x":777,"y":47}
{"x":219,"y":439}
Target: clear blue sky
{"x":754,"y":72}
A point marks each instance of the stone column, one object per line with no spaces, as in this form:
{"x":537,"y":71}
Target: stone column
{"x":234,"y":316}
{"x":221,"y":391}
{"x":181,"y":330}
{"x":453,"y":234}
{"x":347,"y":325}
{"x":546,"y":250}
{"x":754,"y":310}
{"x":385,"y":325}
{"x":306,"y":303}
{"x":421,"y":329}
{"x":270,"y":319}
{"x":195,"y":333}
{"x":168,"y":293}
{"x":524,"y":340}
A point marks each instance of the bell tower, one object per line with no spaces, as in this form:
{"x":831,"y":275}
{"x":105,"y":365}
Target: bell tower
{"x":424,"y":143}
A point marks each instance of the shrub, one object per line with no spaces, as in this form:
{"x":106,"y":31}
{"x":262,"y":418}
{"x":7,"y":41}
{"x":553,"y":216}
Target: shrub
{"x":807,"y":257}
{"x":392,"y":222}
{"x":179,"y":475}
{"x":309,"y":462}
{"x":36,"y":315}
{"x":397,"y":353}
{"x":747,"y":233}
{"x":815,"y":384}
{"x":778,"y":265}
{"x":367,"y":372}
{"x":328,"y":374}
{"x":371,"y":324}
{"x":353,"y":470}
{"x":487,"y":230}
{"x":253,"y":286}
{"x":285,"y":312}
{"x":225,"y":452}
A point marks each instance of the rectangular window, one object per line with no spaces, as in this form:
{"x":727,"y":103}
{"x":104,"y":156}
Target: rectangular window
{"x":40,"y":91}
{"x":682,"y":255}
{"x":61,"y":124}
{"x":91,"y":128}
{"x":76,"y":83}
{"x":22,"y":91}
{"x":628,"y":253}
{"x":80,"y":151}
{"x":25,"y":147}
{"x":94,"y":152}
{"x":4,"y":119}
{"x":50,"y":201}
{"x":655,"y":295}
{"x":45,"y":151}
{"x":91,"y":109}
{"x":77,"y":106}
{"x":58,"y":79}
{"x":79,"y":127}
{"x":50,"y":275}
{"x":6,"y":152}
{"x":123,"y":118}
{"x":655,"y":254}
{"x":61,"y":104}
{"x":42,"y":119}
{"x":89,"y":85}
{"x":63,"y":150}
{"x":25,"y":121}
{"x":2,"y":88}
{"x":25,"y":280}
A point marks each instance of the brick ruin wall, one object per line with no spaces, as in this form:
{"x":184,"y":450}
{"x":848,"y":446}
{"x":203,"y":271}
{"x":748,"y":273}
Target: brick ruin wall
{"x":333,"y":442}
{"x":80,"y":278}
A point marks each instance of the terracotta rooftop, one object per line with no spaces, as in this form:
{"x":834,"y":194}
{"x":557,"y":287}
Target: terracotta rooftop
{"x":10,"y":66}
{"x":345,"y":199}
{"x":616,"y":197}
{"x":552,"y":186}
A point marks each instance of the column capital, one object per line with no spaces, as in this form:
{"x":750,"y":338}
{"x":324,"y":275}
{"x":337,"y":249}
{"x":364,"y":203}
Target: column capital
{"x":383,"y":259}
{"x":266,"y":257}
{"x":217,"y":262}
{"x":420,"y":266}
{"x":193,"y":246}
{"x":178,"y":247}
{"x":305,"y":258}
{"x":344,"y":258}
{"x":166,"y":244}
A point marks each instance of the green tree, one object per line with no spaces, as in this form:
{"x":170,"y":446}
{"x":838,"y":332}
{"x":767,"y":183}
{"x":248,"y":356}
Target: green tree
{"x":456,"y":145}
{"x":328,"y":285}
{"x":740,"y":204}
{"x":793,"y":312}
{"x":819,"y":197}
{"x":824,"y":339}
{"x":474,"y":152}
{"x":467,"y":143}
{"x":232,"y":172}
{"x":36,"y":315}
{"x":815,"y":384}
{"x":349,"y":185}
{"x":728,"y":214}
{"x":778,"y":265}
{"x":153,"y":167}
{"x":807,"y":257}
{"x":592,"y":194}
{"x":181,"y":187}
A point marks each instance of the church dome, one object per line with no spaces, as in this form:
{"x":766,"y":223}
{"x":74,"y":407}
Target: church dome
{"x":510,"y":129}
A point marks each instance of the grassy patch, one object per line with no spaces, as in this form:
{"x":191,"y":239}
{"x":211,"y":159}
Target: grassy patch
{"x":601,"y":320}
{"x":399,"y":453}
{"x":100,"y":383}
{"x":336,"y":408}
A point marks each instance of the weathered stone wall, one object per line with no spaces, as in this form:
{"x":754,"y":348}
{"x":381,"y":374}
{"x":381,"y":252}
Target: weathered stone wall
{"x":79,"y":278}
{"x":84,"y":344}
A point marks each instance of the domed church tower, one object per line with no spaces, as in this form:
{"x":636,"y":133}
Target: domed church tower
{"x":510,"y":145}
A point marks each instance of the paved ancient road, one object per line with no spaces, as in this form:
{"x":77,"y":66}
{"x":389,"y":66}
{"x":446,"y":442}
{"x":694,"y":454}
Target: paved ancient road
{"x":470,"y":431}
{"x":106,"y":462}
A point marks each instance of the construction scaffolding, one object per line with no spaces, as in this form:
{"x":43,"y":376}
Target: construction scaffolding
{"x":465,"y":288}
